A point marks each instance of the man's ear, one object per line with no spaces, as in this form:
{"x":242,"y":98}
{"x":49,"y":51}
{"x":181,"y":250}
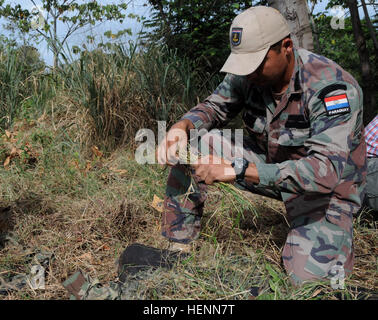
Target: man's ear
{"x":287,"y":44}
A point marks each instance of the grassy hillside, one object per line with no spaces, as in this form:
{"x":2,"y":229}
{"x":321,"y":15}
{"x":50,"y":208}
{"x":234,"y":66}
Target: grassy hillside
{"x":70,"y":186}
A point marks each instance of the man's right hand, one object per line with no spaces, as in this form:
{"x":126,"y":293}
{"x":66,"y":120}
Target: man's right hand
{"x":176,"y":139}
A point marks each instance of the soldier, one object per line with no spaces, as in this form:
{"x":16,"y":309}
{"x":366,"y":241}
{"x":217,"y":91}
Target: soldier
{"x":306,"y":146}
{"x":371,"y":138}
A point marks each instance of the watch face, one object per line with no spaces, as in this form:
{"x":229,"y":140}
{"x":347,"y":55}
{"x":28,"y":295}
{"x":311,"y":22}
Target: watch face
{"x":238,"y":163}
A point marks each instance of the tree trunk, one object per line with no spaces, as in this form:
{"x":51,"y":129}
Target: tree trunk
{"x":370,"y":27}
{"x":367,"y":84}
{"x":315,"y":32}
{"x":296,"y":13}
{"x":55,"y":43}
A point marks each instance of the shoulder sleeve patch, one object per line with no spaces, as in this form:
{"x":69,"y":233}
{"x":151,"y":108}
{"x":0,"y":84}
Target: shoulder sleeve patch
{"x":337,"y":103}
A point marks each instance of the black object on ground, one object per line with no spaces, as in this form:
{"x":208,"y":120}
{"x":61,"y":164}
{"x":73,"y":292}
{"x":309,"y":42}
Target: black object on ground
{"x":138,"y":257}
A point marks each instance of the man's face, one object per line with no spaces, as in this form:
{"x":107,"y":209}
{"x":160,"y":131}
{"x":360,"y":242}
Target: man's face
{"x":272,"y":69}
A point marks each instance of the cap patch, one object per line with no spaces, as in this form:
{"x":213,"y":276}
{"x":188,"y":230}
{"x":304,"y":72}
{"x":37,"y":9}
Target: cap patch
{"x":337,"y":104}
{"x":236,"y":36}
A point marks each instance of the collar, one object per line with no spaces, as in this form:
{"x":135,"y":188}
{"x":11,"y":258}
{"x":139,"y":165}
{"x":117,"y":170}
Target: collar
{"x":295,"y":82}
{"x":294,"y":87}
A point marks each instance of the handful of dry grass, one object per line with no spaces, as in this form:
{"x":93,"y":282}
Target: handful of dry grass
{"x":242,"y":201}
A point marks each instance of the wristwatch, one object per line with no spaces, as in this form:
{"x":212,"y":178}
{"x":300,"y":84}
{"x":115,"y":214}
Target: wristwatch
{"x":240,"y":165}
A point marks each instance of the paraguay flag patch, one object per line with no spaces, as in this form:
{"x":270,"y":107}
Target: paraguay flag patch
{"x":337,"y":104}
{"x":236,"y":36}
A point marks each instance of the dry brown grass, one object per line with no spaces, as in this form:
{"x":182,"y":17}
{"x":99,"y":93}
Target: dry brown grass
{"x":86,"y":215}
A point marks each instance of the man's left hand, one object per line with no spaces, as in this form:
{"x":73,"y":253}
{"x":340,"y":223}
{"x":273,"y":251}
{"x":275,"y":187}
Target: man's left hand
{"x":212,"y":169}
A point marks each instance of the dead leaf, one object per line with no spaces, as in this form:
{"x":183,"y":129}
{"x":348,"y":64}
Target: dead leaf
{"x":88,"y":166}
{"x":7,"y":161}
{"x":75,"y":163}
{"x":120,"y":171}
{"x":15,"y":152}
{"x":97,"y":152}
{"x":316,"y":293}
{"x":157,"y":203}
{"x":86,"y":257}
{"x":104,"y":247}
{"x":8,"y":134}
{"x":98,"y":165}
{"x":42,"y":118}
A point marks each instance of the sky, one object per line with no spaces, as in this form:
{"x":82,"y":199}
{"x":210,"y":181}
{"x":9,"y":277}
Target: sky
{"x":138,"y":7}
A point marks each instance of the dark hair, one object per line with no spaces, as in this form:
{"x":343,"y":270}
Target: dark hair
{"x":277,"y":46}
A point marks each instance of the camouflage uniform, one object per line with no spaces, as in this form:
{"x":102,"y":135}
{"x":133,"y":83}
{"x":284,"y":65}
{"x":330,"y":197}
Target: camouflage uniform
{"x":312,"y":158}
{"x":83,"y":287}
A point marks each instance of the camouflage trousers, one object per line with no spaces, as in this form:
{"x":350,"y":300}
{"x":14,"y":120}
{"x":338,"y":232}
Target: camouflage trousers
{"x":315,"y":248}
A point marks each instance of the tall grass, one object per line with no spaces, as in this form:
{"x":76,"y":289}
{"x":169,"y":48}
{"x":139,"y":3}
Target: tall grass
{"x":166,"y":82}
{"x":24,"y":86}
{"x":100,"y":84}
{"x":12,"y":86}
{"x":105,"y":96}
{"x":126,"y":90}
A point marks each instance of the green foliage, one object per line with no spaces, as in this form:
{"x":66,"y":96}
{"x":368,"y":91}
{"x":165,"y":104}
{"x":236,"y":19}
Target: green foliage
{"x":339,"y":45}
{"x":197,"y":29}
{"x":20,"y":73}
{"x":73,"y":14}
{"x":336,"y":44}
{"x":70,"y":14}
{"x":357,"y":56}
{"x":42,"y":137}
{"x":333,"y":3}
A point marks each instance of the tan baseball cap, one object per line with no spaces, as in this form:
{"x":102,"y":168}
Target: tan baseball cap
{"x":252,"y":33}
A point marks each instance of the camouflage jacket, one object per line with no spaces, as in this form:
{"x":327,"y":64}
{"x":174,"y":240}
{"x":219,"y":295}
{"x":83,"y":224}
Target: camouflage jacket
{"x":313,"y":139}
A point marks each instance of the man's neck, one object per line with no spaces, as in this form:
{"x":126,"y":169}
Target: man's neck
{"x":284,"y":82}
